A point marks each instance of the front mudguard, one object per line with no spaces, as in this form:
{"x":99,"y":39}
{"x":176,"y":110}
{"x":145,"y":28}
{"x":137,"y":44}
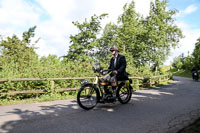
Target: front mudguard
{"x":87,"y":84}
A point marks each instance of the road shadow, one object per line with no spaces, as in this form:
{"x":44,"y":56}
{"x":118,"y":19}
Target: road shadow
{"x":69,"y":117}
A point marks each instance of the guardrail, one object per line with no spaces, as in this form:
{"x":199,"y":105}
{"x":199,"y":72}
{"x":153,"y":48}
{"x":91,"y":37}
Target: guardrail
{"x":138,"y":81}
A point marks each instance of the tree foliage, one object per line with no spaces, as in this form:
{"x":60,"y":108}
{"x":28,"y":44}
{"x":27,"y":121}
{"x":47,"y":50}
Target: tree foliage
{"x":130,"y":33}
{"x":183,"y":62}
{"x":196,"y":54}
{"x":106,"y":41}
{"x":178,"y":62}
{"x":84,"y":43}
{"x":144,"y":41}
{"x":21,"y":52}
{"x":190,"y":61}
{"x":162,"y":34}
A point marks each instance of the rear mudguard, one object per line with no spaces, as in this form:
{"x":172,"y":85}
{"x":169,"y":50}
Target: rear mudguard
{"x":130,"y":87}
{"x":130,"y":80}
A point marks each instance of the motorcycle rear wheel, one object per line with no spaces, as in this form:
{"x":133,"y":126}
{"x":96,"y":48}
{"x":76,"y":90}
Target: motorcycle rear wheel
{"x":87,"y":97}
{"x":124,"y":94}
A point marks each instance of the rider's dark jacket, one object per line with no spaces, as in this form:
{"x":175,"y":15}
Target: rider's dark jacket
{"x":120,"y":67}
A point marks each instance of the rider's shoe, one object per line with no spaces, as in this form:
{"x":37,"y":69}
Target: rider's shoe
{"x":112,"y":99}
{"x":105,"y":96}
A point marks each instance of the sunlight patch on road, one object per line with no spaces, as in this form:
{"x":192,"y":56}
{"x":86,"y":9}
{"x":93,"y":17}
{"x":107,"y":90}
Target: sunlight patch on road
{"x":75,"y":107}
{"x":153,"y":92}
{"x":167,"y":93}
{"x":109,"y":109}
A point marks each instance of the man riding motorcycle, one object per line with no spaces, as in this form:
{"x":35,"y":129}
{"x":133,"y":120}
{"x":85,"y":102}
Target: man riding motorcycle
{"x":100,"y":90}
{"x":195,"y":74}
{"x":118,"y":66}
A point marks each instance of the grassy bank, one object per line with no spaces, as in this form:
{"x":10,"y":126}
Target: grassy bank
{"x":182,"y":73}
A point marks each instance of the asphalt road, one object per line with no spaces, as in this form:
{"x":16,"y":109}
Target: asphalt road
{"x":164,"y":109}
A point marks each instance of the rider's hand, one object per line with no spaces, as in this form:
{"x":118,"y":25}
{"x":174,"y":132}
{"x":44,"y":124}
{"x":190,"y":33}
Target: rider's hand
{"x":115,"y":72}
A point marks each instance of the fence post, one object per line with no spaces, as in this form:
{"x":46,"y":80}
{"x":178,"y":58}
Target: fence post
{"x":159,"y":79}
{"x":52,"y":86}
{"x":150,"y":82}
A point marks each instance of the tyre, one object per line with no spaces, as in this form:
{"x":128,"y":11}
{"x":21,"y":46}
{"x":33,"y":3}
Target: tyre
{"x":87,"y":97}
{"x":124,"y":94}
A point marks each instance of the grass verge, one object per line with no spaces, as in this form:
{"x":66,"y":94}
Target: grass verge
{"x":182,"y":73}
{"x":42,"y":98}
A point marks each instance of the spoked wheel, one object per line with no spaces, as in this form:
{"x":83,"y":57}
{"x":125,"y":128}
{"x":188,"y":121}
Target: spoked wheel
{"x":124,"y":94}
{"x":87,"y":97}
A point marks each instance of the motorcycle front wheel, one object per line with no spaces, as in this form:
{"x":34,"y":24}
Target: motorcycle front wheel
{"x":124,"y":94}
{"x":87,"y":97}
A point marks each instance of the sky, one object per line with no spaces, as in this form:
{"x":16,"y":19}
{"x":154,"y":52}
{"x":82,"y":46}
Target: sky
{"x":54,"y":18}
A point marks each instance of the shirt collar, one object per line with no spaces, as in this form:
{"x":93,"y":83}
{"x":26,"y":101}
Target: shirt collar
{"x":116,"y":56}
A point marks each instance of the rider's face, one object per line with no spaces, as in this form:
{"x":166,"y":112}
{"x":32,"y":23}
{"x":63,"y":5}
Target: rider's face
{"x":113,"y":52}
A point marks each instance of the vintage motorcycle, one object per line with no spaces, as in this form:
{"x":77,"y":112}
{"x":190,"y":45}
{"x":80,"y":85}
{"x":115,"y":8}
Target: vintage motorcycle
{"x":100,"y":91}
{"x":195,"y":75}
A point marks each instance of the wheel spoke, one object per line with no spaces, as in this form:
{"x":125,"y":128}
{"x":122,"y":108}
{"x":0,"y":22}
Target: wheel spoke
{"x":87,"y":97}
{"x":124,"y":95}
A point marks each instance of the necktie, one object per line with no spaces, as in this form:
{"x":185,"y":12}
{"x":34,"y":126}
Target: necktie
{"x":115,"y":62}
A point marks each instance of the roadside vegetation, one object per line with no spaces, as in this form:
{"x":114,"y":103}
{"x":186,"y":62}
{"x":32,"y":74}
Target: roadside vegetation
{"x":182,"y":73}
{"x":146,"y":43}
{"x":182,"y":65}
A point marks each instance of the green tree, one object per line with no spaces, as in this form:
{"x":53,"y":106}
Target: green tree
{"x":129,"y":35}
{"x":20,"y":52}
{"x":188,"y":63}
{"x":182,"y":62}
{"x":84,"y":43}
{"x":162,"y":34}
{"x":196,"y":54}
{"x":106,"y":41}
{"x":144,"y":41}
{"x":177,"y":63}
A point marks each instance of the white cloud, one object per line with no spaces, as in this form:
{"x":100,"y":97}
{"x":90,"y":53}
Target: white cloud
{"x":57,"y":9}
{"x":44,"y":49}
{"x":186,"y":44}
{"x":143,"y":7}
{"x":19,"y":15}
{"x":190,"y":9}
{"x":15,"y":15}
{"x":115,"y":8}
{"x":17,"y":11}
